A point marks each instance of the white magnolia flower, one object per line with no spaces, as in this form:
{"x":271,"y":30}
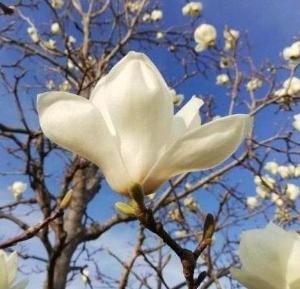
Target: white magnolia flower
{"x":222,"y":79}
{"x":270,"y":259}
{"x":252,"y":203}
{"x":192,"y":9}
{"x":17,"y":189}
{"x":254,"y":84}
{"x":205,"y":36}
{"x":55,"y":28}
{"x":231,"y":37}
{"x":296,"y":122}
{"x":33,"y":33}
{"x":57,"y":4}
{"x":8,"y":272}
{"x":292,"y":53}
{"x":156,"y":15}
{"x":128,"y":128}
{"x":50,"y":44}
{"x":292,"y":191}
{"x":271,"y":167}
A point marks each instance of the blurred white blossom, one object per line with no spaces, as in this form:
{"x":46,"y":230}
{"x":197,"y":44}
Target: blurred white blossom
{"x":133,"y":6}
{"x":290,"y":87}
{"x":292,"y":191}
{"x":146,"y":17}
{"x":192,"y":9}
{"x":252,"y":203}
{"x":71,"y":40}
{"x":178,"y":98}
{"x":275,"y":198}
{"x":50,"y":44}
{"x":231,"y":37}
{"x":55,"y":28}
{"x":33,"y":33}
{"x":160,"y":35}
{"x":205,"y":36}
{"x":292,"y":53}
{"x":8,"y":272}
{"x":85,"y":275}
{"x":254,"y":84}
{"x":57,"y":4}
{"x":222,"y":79}
{"x":296,"y":122}
{"x":190,"y":203}
{"x":284,"y":172}
{"x":226,"y":62}
{"x":180,"y":234}
{"x":17,"y":189}
{"x":271,"y":167}
{"x":270,"y":259}
{"x":65,"y":86}
{"x":50,"y":84}
{"x":156,"y":15}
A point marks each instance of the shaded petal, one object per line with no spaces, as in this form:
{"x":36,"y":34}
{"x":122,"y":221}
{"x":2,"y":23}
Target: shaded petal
{"x":187,"y":118}
{"x":200,"y":149}
{"x":293,"y":265}
{"x":11,"y":264}
{"x":74,"y":123}
{"x":20,"y":285}
{"x":3,"y":271}
{"x":251,"y":282}
{"x":136,"y":102}
{"x":296,"y":284}
{"x":265,"y":253}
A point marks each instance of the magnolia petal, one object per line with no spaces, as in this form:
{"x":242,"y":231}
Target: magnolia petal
{"x":266,"y":250}
{"x":251,"y":282}
{"x":293,"y":264}
{"x":20,"y":285}
{"x":296,"y":284}
{"x":200,"y":149}
{"x":187,"y":118}
{"x":3,"y":271}
{"x":11,"y":264}
{"x":135,"y":100}
{"x":74,"y":123}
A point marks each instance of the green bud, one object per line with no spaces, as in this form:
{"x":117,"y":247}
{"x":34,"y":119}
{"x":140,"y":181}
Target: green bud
{"x":209,"y":227}
{"x":125,"y":209}
{"x":137,"y":194}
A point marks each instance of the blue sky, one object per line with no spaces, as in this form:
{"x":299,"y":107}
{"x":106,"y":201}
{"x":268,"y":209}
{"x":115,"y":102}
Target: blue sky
{"x":270,"y":25}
